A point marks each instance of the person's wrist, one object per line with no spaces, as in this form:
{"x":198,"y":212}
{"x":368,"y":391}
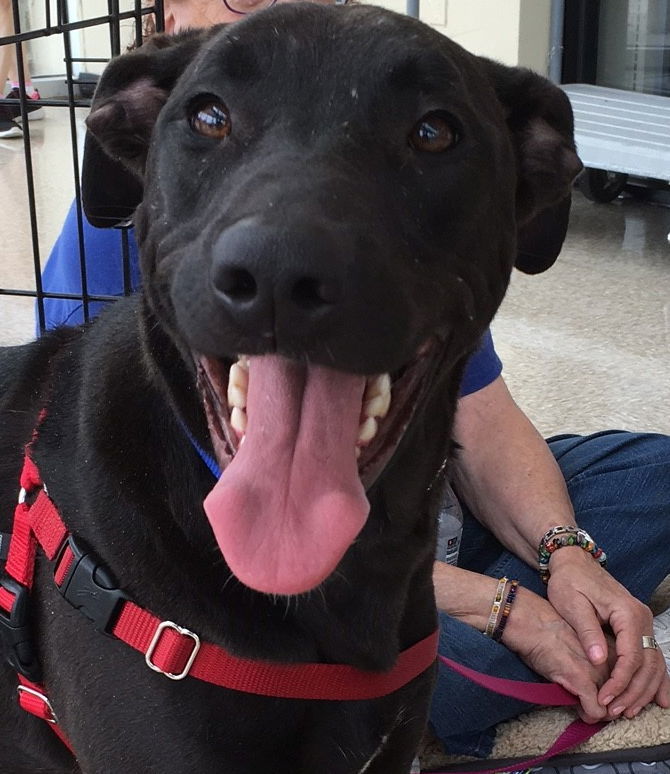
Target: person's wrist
{"x":561,"y":539}
{"x":481,"y":613}
{"x":529,"y":609}
{"x":568,"y":555}
{"x":464,"y":595}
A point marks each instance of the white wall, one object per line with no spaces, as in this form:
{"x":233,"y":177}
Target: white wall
{"x":533,"y":41}
{"x":46,"y":55}
{"x":511,"y":31}
{"x":515,"y":32}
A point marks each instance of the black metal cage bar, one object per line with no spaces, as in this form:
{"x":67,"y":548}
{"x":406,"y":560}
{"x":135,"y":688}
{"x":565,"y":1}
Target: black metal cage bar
{"x":124,"y":22}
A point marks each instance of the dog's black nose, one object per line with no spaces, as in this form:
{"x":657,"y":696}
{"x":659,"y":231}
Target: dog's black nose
{"x":262,"y":272}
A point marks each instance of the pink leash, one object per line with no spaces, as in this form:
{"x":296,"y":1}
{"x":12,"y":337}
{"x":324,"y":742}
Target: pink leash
{"x":547,"y":694}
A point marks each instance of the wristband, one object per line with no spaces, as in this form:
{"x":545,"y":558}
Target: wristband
{"x":559,"y":537}
{"x":509,"y":601}
{"x":495,"y":608}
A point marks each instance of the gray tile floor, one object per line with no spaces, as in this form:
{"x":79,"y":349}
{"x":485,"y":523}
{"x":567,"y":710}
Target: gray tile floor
{"x":586,"y":346}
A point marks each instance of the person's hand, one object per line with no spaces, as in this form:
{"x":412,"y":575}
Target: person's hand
{"x":549,"y":645}
{"x":588,"y":598}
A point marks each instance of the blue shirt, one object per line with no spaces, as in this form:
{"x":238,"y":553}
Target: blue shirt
{"x":483,"y":367}
{"x":104,"y":274}
{"x":104,"y":270}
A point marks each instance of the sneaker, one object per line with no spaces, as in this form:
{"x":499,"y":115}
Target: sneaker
{"x":8,"y":127}
{"x":35,"y":111}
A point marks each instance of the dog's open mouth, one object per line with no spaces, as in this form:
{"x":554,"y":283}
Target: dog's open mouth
{"x":298,"y":445}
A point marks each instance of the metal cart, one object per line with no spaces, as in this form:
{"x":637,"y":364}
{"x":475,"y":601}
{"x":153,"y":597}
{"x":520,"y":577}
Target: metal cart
{"x":619,"y":133}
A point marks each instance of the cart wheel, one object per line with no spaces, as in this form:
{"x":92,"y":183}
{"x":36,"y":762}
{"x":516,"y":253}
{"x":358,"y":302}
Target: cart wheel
{"x":599,"y":185}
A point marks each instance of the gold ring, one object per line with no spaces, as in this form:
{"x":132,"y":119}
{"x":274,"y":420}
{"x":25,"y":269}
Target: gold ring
{"x":649,"y":642}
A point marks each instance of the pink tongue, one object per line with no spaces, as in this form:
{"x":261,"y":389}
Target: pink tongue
{"x":290,"y":503}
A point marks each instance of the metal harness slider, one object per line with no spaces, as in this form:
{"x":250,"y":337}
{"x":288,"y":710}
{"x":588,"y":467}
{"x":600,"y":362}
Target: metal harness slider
{"x":23,"y":691}
{"x":154,"y":644}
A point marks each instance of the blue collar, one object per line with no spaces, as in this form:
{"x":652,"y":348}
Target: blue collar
{"x":211,"y":463}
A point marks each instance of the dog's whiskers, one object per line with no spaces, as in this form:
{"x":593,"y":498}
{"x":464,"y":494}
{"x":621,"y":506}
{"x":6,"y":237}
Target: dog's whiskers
{"x":404,"y":718}
{"x":339,"y":574}
{"x":346,"y":755}
{"x":322,"y":594}
{"x":439,"y":474}
{"x":288,"y":606}
{"x":227,"y":581}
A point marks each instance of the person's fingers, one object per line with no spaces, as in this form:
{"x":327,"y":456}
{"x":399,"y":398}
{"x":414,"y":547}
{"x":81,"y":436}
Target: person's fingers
{"x":589,"y":718}
{"x":590,"y":709}
{"x":588,"y":599}
{"x":642,"y":687}
{"x":578,"y":681}
{"x":550,"y":647}
{"x":662,"y":697}
{"x":581,"y":615}
{"x":629,"y":623}
{"x":629,"y":660}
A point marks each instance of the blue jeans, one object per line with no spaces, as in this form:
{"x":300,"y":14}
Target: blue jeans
{"x":619,"y":484}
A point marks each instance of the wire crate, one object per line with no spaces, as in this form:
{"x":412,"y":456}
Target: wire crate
{"x":108,"y":27}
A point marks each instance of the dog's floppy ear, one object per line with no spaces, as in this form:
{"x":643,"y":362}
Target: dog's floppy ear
{"x":539,"y":117}
{"x":131,"y":92}
{"x":539,"y":241}
{"x":109,"y":192}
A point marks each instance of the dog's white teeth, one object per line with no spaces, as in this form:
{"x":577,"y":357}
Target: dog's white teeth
{"x":376,"y":402}
{"x":238,"y":420}
{"x":378,"y":385}
{"x":237,"y":397}
{"x":358,"y":451}
{"x":367,"y":430}
{"x":239,"y":373}
{"x":377,"y":397}
{"x":377,"y":407}
{"x":238,"y":385}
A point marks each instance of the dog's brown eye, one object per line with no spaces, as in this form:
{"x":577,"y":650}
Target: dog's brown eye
{"x":211,"y":119}
{"x":434,"y":133}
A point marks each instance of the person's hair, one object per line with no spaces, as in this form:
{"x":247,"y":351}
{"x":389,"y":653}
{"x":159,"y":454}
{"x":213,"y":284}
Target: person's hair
{"x":148,"y":25}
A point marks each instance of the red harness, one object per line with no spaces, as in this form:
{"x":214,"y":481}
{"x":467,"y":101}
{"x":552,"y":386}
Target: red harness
{"x":167,"y":648}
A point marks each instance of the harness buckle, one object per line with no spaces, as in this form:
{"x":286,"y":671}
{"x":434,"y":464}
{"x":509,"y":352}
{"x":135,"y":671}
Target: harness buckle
{"x":154,"y":644}
{"x":88,"y":585}
{"x":16,"y":634}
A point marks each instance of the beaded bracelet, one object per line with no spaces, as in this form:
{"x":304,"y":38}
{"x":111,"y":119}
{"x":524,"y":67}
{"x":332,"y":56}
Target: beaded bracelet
{"x":558,"y":537}
{"x":509,"y":601}
{"x":495,"y":608}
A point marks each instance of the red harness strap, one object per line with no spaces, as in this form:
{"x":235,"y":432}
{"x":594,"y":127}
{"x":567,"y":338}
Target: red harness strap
{"x":168,"y":648}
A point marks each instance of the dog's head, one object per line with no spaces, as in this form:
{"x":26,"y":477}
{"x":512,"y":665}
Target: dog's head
{"x":332,"y":202}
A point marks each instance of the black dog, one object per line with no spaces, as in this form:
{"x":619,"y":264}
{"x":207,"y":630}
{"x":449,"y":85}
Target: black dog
{"x":330,"y":194}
